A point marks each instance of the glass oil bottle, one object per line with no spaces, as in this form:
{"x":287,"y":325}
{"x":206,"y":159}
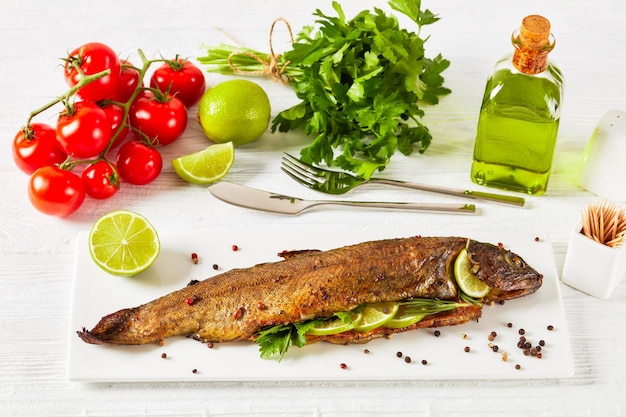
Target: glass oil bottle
{"x":520,"y":113}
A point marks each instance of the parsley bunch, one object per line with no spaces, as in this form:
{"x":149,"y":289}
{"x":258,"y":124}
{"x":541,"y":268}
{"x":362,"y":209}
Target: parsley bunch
{"x":360,"y":82}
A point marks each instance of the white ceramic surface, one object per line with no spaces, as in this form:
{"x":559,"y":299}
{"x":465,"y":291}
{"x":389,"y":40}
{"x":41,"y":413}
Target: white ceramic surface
{"x":592,"y":267}
{"x":603,"y":168}
{"x":96,"y":294}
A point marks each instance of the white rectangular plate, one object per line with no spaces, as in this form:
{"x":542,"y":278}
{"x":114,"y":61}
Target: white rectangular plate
{"x":97,"y":294}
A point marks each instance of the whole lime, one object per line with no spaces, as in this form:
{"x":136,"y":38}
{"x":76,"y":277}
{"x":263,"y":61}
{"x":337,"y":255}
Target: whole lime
{"x":236,"y":111}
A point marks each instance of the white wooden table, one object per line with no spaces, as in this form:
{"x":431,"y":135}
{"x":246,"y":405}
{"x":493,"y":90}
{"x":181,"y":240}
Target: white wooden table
{"x":37,"y":252}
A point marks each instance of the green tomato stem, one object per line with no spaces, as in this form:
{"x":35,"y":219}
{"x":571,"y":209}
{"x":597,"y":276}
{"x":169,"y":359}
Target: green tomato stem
{"x":86,"y":79}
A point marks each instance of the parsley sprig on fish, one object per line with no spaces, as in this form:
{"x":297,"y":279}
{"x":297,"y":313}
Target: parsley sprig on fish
{"x":275,"y":341}
{"x":361,"y":83}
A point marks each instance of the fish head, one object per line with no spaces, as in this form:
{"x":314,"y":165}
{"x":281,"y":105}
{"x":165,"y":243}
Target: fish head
{"x":508,"y":275}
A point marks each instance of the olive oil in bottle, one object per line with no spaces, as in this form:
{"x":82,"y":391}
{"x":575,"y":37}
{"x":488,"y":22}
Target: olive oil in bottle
{"x":520,"y":112}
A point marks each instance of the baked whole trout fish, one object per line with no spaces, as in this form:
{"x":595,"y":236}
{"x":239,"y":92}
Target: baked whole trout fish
{"x":311,"y":285}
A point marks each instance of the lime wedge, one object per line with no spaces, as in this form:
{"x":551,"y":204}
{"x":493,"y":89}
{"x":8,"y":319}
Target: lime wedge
{"x":334,"y":326}
{"x":376,"y":315}
{"x":403,"y":319}
{"x":467,"y":281}
{"x":206,"y":166}
{"x":123,"y":243}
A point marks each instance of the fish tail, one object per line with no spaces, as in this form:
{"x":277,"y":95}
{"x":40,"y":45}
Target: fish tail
{"x":108,"y":328}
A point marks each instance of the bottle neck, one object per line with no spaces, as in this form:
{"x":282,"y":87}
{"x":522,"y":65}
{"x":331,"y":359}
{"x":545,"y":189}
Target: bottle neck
{"x":530,"y":58}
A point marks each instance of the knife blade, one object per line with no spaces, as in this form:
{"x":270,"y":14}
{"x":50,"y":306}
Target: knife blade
{"x":252,"y":198}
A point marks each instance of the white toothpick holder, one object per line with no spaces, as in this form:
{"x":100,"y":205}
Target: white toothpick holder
{"x":592,"y":267}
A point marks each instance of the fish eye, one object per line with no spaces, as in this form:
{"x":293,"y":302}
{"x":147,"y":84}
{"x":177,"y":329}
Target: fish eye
{"x":515,"y":261}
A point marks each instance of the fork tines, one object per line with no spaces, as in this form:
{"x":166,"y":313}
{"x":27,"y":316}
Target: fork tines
{"x":300,"y":171}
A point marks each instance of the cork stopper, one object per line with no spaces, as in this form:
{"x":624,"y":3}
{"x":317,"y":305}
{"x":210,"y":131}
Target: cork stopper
{"x":535,"y":31}
{"x":533,"y":41}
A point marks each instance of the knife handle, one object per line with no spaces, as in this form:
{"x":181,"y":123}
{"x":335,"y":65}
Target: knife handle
{"x":431,"y":207}
{"x":477,"y":195}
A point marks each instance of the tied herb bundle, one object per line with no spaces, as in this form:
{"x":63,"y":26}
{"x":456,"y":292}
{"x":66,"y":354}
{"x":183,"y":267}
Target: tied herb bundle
{"x":361,"y":83}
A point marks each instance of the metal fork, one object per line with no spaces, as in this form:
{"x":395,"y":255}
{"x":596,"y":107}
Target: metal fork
{"x":340,"y":182}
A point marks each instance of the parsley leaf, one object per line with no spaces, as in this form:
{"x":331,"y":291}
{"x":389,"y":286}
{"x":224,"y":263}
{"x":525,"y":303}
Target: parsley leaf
{"x":360,"y":83}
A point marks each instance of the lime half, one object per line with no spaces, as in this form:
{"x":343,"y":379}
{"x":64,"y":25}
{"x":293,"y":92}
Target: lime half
{"x":335,"y":325}
{"x":123,"y":243}
{"x":206,"y":166}
{"x":376,"y":315}
{"x":467,"y":281}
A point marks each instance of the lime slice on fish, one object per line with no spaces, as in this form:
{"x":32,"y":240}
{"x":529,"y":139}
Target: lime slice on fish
{"x":376,"y":315}
{"x":206,"y":166}
{"x":467,"y":281}
{"x":335,"y":325}
{"x":403,"y":319}
{"x":123,"y":243}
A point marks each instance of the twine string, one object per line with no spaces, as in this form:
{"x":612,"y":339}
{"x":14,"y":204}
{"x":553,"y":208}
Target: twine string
{"x":271,"y":66}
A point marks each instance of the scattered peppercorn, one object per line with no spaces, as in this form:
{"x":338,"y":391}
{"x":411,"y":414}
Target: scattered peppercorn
{"x":539,"y":355}
{"x":194,"y":370}
{"x":399,"y":354}
{"x":216,"y":266}
{"x":509,"y":325}
{"x":424,"y":362}
{"x":210,"y":345}
{"x":407,"y":359}
{"x":164,"y":355}
{"x":492,"y":336}
{"x":437,"y":333}
{"x":366,"y":351}
{"x":494,"y":348}
{"x":536,"y":238}
{"x":550,"y":327}
{"x":194,"y":257}
{"x":343,"y":366}
{"x":467,"y":349}
{"x":235,"y":248}
{"x":518,"y":366}
{"x":521,"y":331}
{"x":238,"y":313}
{"x":192,"y":282}
{"x":542,"y":343}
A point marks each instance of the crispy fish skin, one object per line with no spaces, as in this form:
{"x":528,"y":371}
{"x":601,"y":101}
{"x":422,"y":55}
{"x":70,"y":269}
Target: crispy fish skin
{"x":237,"y":304}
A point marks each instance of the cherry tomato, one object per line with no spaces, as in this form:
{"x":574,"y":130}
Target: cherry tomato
{"x":182,"y":78}
{"x":138,"y":163}
{"x":85,"y":131}
{"x":92,"y":58}
{"x":128,"y":82}
{"x":161,"y":119}
{"x":35,"y":146}
{"x":115,"y":114}
{"x":55,"y":191}
{"x":101,"y":180}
